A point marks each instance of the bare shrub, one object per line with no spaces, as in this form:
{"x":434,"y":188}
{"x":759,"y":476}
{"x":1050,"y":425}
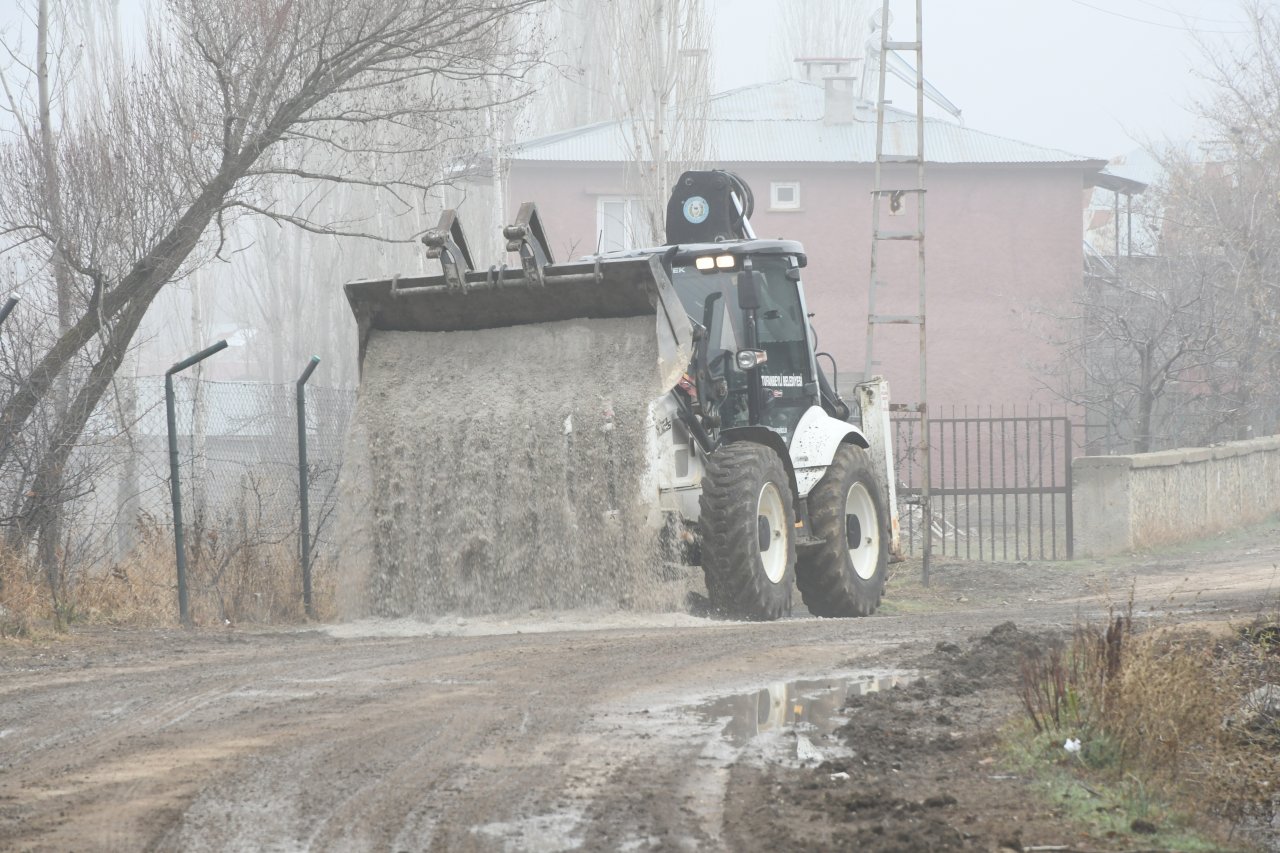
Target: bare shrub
{"x":239,"y":571}
{"x":1048,"y":696}
{"x":1171,"y":714}
{"x":1163,"y":705}
{"x":1136,"y":702}
{"x":20,"y":597}
{"x":141,"y":590}
{"x":1241,"y":774}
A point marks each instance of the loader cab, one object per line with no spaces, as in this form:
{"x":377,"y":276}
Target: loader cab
{"x":747,"y":297}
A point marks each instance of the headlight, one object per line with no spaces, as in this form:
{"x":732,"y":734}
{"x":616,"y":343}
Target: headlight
{"x":714,"y":262}
{"x":751,"y":358}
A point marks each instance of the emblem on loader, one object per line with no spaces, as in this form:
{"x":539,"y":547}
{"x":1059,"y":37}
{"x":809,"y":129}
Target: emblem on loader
{"x":696,"y":209}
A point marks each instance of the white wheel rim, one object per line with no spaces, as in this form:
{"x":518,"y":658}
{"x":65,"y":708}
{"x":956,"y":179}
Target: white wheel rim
{"x":862,"y":531}
{"x":771,"y":515}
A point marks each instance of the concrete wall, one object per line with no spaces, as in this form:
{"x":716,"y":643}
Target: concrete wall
{"x":1128,"y":503}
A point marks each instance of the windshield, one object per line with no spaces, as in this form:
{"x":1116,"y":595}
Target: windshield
{"x":780,"y":330}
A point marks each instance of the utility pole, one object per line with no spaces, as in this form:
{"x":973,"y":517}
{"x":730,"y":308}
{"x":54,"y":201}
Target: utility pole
{"x":892,"y":199}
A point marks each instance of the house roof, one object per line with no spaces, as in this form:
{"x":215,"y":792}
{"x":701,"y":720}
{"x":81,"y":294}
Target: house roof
{"x":783,"y":122}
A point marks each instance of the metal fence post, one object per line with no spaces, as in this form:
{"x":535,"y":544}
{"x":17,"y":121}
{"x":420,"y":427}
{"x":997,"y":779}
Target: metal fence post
{"x":1071,"y":527}
{"x":7,"y":308}
{"x":175,"y":491}
{"x":304,"y":528}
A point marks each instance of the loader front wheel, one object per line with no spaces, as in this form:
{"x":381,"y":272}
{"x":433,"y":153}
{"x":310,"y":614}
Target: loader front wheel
{"x":748,"y":532}
{"x":844,"y":576}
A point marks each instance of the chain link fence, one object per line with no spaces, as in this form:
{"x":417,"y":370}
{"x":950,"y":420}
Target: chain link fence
{"x":239,"y":475}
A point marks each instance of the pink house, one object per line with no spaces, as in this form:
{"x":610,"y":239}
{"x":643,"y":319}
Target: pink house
{"x":1004,"y":231}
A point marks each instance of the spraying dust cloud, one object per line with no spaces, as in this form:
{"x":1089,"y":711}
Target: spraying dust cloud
{"x":501,"y":470}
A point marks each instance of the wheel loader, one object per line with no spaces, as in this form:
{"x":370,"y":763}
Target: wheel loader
{"x":758,"y":471}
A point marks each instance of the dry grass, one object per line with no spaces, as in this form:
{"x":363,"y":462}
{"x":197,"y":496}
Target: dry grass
{"x":231,"y":579}
{"x":23,"y":602}
{"x":1166,"y":713}
{"x":1241,"y":774}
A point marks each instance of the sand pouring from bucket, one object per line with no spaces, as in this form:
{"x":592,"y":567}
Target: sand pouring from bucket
{"x":539,"y":290}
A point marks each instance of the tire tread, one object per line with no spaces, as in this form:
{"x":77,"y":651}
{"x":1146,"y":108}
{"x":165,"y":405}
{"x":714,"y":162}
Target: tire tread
{"x":828,"y":586}
{"x":736,"y":583}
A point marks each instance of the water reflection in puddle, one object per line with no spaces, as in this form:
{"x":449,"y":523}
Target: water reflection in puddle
{"x":810,"y":706}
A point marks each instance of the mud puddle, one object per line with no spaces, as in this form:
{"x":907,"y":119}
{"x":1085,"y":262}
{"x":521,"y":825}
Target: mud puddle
{"x":811,"y":708}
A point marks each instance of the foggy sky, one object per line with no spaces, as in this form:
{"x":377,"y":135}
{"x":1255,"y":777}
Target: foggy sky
{"x":1094,"y":77}
{"x":1069,"y":74}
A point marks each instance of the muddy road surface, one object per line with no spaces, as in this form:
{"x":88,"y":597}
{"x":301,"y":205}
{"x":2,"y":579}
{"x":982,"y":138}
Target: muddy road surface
{"x":548,"y":732}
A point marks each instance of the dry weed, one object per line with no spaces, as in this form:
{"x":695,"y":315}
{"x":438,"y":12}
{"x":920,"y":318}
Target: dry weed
{"x":1164,"y":705}
{"x":232,"y":579}
{"x":1173,"y":713}
{"x":24,"y":603}
{"x":1242,"y":773}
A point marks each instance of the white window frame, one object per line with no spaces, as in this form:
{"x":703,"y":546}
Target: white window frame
{"x":776,"y":204}
{"x":632,"y":221}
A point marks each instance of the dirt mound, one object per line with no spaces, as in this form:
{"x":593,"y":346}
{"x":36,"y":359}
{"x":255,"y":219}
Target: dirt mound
{"x":502,"y":470}
{"x":921,"y":768}
{"x":990,"y":660}
{"x":829,"y":814}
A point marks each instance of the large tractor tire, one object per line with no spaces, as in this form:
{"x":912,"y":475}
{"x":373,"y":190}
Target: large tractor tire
{"x":844,"y":576}
{"x":748,"y":532}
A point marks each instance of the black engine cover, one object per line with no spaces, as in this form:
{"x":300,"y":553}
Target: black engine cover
{"x":702,"y":209}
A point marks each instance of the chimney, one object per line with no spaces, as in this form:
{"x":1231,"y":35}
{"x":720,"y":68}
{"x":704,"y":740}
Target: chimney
{"x":814,"y":68}
{"x":838,"y":99}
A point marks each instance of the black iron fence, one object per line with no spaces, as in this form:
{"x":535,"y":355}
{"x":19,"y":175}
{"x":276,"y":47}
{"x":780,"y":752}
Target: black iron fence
{"x":1000,"y":484}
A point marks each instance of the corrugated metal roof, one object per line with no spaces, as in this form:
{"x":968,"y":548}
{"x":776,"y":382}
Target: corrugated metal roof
{"x":784,"y":100}
{"x":782,"y":122}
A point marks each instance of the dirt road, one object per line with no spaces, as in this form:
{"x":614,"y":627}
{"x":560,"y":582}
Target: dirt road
{"x":552,"y":732}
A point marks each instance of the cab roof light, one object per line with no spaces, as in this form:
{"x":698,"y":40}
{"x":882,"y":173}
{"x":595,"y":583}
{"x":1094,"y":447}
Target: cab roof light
{"x":714,"y":262}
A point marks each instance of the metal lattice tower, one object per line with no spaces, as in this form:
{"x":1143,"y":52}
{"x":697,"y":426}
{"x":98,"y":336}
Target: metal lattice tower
{"x":892,"y":198}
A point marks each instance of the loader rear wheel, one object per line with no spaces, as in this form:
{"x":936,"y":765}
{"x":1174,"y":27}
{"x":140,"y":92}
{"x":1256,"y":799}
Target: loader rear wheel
{"x":748,"y":532}
{"x":844,"y":576}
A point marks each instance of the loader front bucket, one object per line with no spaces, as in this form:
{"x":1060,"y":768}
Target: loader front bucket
{"x":502,"y":453}
{"x":601,"y":288}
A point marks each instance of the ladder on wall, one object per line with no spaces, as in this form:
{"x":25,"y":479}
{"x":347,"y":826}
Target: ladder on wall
{"x":891,"y":199}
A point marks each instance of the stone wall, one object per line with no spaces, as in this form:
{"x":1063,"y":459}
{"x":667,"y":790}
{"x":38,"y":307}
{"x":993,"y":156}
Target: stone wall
{"x":1130,"y":503}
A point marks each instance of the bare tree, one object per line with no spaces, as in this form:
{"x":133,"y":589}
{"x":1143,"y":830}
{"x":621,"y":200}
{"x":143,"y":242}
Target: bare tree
{"x":54,"y":68}
{"x":1183,"y":347}
{"x":1146,"y":343}
{"x":114,"y":198}
{"x":659,"y":81}
{"x":822,"y":29}
{"x":662,"y":94}
{"x":642,"y":63}
{"x":277,"y":290}
{"x":574,"y":85}
{"x":1225,"y":202}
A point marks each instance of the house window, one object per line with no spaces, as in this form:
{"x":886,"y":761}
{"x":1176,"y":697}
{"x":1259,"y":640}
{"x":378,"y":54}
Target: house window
{"x":621,"y":224}
{"x":784,"y":196}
